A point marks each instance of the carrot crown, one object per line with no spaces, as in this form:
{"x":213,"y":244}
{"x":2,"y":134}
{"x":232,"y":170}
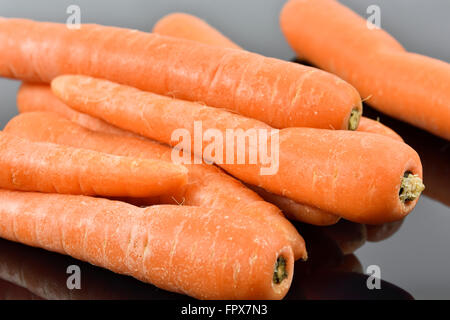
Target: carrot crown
{"x":411,"y":187}
{"x":280,"y":272}
{"x":353,"y":120}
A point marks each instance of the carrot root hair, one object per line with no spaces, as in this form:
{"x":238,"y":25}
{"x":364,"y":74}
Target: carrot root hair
{"x":411,"y":187}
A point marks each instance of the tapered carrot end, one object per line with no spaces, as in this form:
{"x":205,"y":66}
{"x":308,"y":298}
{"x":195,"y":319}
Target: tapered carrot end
{"x":411,"y":187}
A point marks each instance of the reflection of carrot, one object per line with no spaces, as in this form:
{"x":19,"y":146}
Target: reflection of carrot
{"x":298,"y":211}
{"x":405,"y":85}
{"x":350,"y":263}
{"x":327,"y":169}
{"x":39,"y":97}
{"x":280,"y":93}
{"x":207,"y":185}
{"x":45,"y":167}
{"x":48,"y":278}
{"x":338,"y":285}
{"x":200,"y":252}
{"x":349,"y":236}
{"x":382,"y":232}
{"x":186,"y":26}
{"x":9,"y":291}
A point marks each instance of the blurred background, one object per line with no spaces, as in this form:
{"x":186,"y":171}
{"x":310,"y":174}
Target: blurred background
{"x":415,"y":258}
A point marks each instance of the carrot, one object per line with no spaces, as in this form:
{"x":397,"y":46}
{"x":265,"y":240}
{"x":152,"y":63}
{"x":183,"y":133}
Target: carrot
{"x":407,"y":86}
{"x":207,"y":185}
{"x":211,"y":193}
{"x":39,"y":97}
{"x":186,"y":26}
{"x":46,"y":167}
{"x":373,"y":126}
{"x":297,"y":211}
{"x":189,"y":27}
{"x":327,"y":169}
{"x":199,"y":252}
{"x":277,"y":92}
{"x":435,"y":155}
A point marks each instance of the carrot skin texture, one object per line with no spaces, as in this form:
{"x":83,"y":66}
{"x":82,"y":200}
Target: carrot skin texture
{"x":277,"y":92}
{"x":189,"y":27}
{"x":186,"y":26}
{"x":373,"y":126}
{"x":168,"y":246}
{"x":326,"y":169}
{"x":297,"y":211}
{"x":39,"y":97}
{"x":207,"y":185}
{"x":46,"y":167}
{"x":404,"y":85}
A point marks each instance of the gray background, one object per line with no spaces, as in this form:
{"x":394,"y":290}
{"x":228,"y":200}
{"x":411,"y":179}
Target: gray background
{"x":417,"y":258}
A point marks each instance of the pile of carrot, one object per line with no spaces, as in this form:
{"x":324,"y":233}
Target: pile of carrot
{"x":408,"y":86}
{"x":88,"y":165}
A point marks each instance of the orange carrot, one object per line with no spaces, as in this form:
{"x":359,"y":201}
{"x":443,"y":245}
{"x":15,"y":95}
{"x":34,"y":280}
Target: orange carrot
{"x":186,"y":26}
{"x":277,"y":92}
{"x":200,"y":252}
{"x":207,"y":185}
{"x":327,"y":169}
{"x":373,"y":126}
{"x":404,"y":85}
{"x":47,"y":167}
{"x":39,"y":97}
{"x":189,"y":27}
{"x":297,"y":211}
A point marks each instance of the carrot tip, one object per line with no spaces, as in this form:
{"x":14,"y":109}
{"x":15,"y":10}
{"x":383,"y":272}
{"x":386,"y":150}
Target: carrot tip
{"x":411,"y":187}
{"x":280,"y":272}
{"x":353,"y":120}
